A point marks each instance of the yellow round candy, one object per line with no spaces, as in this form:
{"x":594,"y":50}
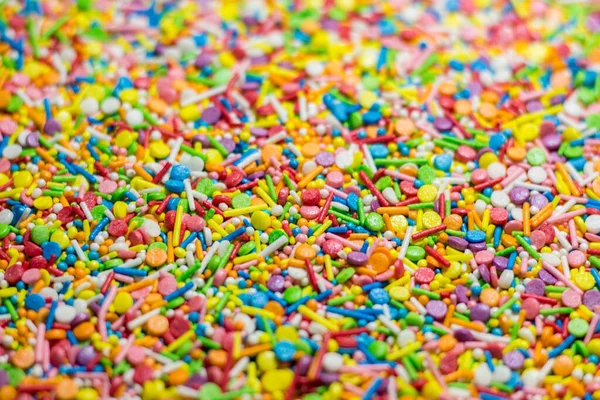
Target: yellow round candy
{"x":120,"y":209}
{"x":266,"y":361}
{"x":277,"y":379}
{"x":43,"y":202}
{"x":286,"y":332}
{"x":123,"y":302}
{"x":129,"y":96}
{"x":527,"y":132}
{"x":227,"y":59}
{"x":61,"y":238}
{"x":427,"y":193}
{"x":214,"y":157}
{"x":431,"y":219}
{"x":486,"y":159}
{"x":454,"y":271}
{"x":124,"y":139}
{"x":260,"y":220}
{"x":367,"y":99}
{"x":87,"y":394}
{"x":3,"y":179}
{"x":190,"y":113}
{"x":159,"y":149}
{"x":399,"y":293}
{"x":432,"y":390}
{"x":399,"y":222}
{"x":583,"y":279}
{"x":571,"y":133}
{"x":22,"y":178}
{"x":594,"y":346}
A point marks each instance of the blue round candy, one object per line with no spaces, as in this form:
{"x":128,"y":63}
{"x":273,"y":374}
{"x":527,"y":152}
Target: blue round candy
{"x":496,"y":141}
{"x":379,"y":296}
{"x":379,"y":150}
{"x":352,"y":201}
{"x":371,"y":117}
{"x":50,"y":249}
{"x":443,"y":162}
{"x":259,"y":300}
{"x":34,"y":302}
{"x":180,"y":172}
{"x":284,"y":350}
{"x":174,"y":186}
{"x":475,"y":236}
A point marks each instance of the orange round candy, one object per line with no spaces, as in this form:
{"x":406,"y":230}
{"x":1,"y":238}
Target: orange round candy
{"x":490,"y":297}
{"x":8,"y":393}
{"x":516,"y":153}
{"x":379,"y":261}
{"x":463,"y":107}
{"x":488,"y":111}
{"x":23,"y":358}
{"x":453,"y":222}
{"x":66,"y":389}
{"x":447,"y":88}
{"x":447,"y":343}
{"x":157,"y":325}
{"x":310,"y":149}
{"x":305,"y":251}
{"x":84,"y":331}
{"x":270,"y":150}
{"x":404,"y":126}
{"x":563,"y":365}
{"x":156,"y":257}
{"x":217,"y":358}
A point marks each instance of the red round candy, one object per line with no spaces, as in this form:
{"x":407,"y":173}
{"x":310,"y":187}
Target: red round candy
{"x":170,"y":219}
{"x":478,"y":176}
{"x":408,"y":188}
{"x":234,"y":178}
{"x":179,"y":326}
{"x":143,"y":373}
{"x":32,"y":249}
{"x":424,"y":275}
{"x":90,"y":199}
{"x":14,"y":273}
{"x":465,"y":153}
{"x":221,"y":198}
{"x":283,"y":195}
{"x":332,"y":247}
{"x":311,"y":197}
{"x":66,"y":215}
{"x":38,"y":262}
{"x":117,"y":228}
{"x":446,"y":102}
{"x":195,"y":224}
{"x":548,"y":231}
{"x":136,"y":237}
{"x":498,"y":216}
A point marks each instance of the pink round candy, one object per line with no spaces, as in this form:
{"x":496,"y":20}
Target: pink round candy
{"x":335,"y":179}
{"x":576,"y":258}
{"x":195,"y":223}
{"x":107,"y":186}
{"x":136,"y":355}
{"x":484,"y":257}
{"x":31,"y":276}
{"x":8,"y":126}
{"x":570,"y":298}
{"x":478,"y":176}
{"x":531,"y":307}
{"x":310,"y":212}
{"x":167,"y":285}
{"x":538,"y":239}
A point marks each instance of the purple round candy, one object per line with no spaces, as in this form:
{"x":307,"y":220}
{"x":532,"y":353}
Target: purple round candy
{"x":202,"y":60}
{"x":325,"y":158}
{"x":536,"y":286}
{"x":533,"y":106}
{"x":3,"y":378}
{"x":484,"y":272}
{"x":539,"y":201}
{"x":52,"y":126}
{"x":477,"y":247}
{"x":276,"y":283}
{"x":458,"y":243}
{"x":374,"y":205}
{"x":32,"y":139}
{"x":519,"y":195}
{"x":442,"y":124}
{"x":211,"y":115}
{"x":328,"y":377}
{"x":591,"y":298}
{"x":228,"y":144}
{"x":461,"y":292}
{"x":501,"y":263}
{"x":547,"y":277}
{"x":85,"y":355}
{"x":437,"y":309}
{"x":513,"y":359}
{"x":552,"y":141}
{"x":480,"y":312}
{"x":357,"y":258}
{"x":259,"y":132}
{"x":463,"y":335}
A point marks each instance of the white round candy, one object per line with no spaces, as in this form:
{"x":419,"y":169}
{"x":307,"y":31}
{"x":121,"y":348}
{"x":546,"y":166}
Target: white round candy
{"x":314,"y":68}
{"x":151,"y":227}
{"x":12,"y":151}
{"x":592,"y":224}
{"x":551,"y":259}
{"x":405,"y":337}
{"x":506,"y":278}
{"x":134,"y":117}
{"x":344,"y":159}
{"x":501,"y":373}
{"x":308,"y":167}
{"x":332,"y":362}
{"x":537,"y":174}
{"x":6,"y":216}
{"x":496,"y":170}
{"x":297,"y":273}
{"x":110,"y":105}
{"x":517,"y":213}
{"x":482,"y":375}
{"x":500,"y":199}
{"x":65,"y":314}
{"x":48,"y":292}
{"x":89,"y":106}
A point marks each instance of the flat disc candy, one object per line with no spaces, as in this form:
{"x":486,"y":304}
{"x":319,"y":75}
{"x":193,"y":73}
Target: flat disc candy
{"x":424,"y":275}
{"x":437,"y":309}
{"x":357,"y":258}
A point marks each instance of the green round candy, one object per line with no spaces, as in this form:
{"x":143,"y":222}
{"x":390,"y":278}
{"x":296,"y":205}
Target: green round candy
{"x":378,"y":349}
{"x":158,"y":245}
{"x":536,"y":156}
{"x":85,"y":5}
{"x":206,"y":187}
{"x":355,"y":120}
{"x":276,"y":234}
{"x":374,"y":222}
{"x":370,"y":82}
{"x":214,"y":262}
{"x":118,"y":194}
{"x":573,"y":151}
{"x":15,"y":376}
{"x":593,"y":120}
{"x":241,"y":200}
{"x":221,"y":76}
{"x":40,"y":234}
{"x":14,"y":104}
{"x":209,"y":391}
{"x":426,"y":174}
{"x":247,"y":248}
{"x":383,"y":183}
{"x":4,"y":230}
{"x":344,"y":275}
{"x":414,"y":319}
{"x":303,"y":346}
{"x":586,"y":95}
{"x":292,"y":294}
{"x":98,"y":212}
{"x":337,"y":14}
{"x":578,"y":327}
{"x":415,"y":253}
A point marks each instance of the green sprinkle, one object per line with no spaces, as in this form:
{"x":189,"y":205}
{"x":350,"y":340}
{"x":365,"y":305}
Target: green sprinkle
{"x":559,"y":310}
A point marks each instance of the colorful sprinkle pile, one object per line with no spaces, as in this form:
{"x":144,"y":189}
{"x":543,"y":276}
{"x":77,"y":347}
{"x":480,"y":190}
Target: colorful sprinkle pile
{"x":314,"y":199}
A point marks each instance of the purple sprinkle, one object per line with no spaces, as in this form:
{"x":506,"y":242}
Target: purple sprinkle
{"x":357,"y":258}
{"x":256,"y":175}
{"x":4,"y":380}
{"x":328,"y":377}
{"x":533,"y":106}
{"x":519,"y":195}
{"x":375,"y":205}
{"x":250,"y":86}
{"x":484,"y":272}
{"x":32,"y":139}
{"x":442,"y":124}
{"x":536,"y":286}
{"x":325,"y":158}
{"x":202,"y":139}
{"x":480,"y":312}
{"x":276,"y":283}
{"x":211,"y":115}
